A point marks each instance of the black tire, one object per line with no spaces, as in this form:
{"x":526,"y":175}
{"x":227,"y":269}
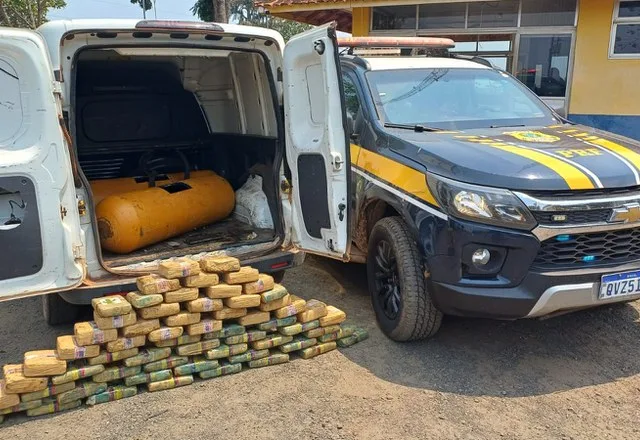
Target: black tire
{"x":278,"y":276}
{"x":57,"y":311}
{"x":401,"y":301}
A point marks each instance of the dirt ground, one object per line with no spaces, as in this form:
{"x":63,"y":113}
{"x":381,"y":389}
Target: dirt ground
{"x":570,"y":377}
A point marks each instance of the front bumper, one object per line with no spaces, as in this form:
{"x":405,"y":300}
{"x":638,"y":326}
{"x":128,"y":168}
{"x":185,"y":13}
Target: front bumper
{"x":538,"y":295}
{"x":515,"y":289}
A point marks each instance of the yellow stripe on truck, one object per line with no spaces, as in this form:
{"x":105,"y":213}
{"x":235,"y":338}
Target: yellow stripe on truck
{"x":575,"y":178}
{"x":625,"y":152}
{"x":401,"y":176}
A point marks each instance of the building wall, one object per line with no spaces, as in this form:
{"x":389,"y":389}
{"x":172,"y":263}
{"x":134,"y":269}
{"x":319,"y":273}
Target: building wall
{"x":361,"y":20}
{"x":605,"y":93}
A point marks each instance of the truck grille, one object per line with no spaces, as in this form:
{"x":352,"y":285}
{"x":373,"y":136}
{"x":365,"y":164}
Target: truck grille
{"x":573,"y":217}
{"x":588,"y":250}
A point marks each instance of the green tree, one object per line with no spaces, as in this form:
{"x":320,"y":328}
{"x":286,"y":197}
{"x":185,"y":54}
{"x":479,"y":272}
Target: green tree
{"x":27,"y":13}
{"x":245,"y":12}
{"x":146,"y":5}
{"x":203,"y":9}
{"x":210,"y":10}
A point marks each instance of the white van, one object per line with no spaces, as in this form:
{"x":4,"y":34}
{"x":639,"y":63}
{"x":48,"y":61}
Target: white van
{"x":88,"y":100}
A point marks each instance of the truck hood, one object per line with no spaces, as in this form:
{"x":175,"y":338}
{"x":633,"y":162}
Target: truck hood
{"x":548,"y":158}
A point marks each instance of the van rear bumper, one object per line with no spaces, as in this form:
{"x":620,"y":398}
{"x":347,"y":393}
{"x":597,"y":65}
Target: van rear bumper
{"x":270,"y":263}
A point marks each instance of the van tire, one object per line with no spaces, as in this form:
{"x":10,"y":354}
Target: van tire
{"x":397,"y":285}
{"x":278,"y":276}
{"x":57,"y":311}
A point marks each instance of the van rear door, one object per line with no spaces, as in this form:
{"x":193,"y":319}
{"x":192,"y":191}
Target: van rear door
{"x":41,"y":248}
{"x":316,"y":143}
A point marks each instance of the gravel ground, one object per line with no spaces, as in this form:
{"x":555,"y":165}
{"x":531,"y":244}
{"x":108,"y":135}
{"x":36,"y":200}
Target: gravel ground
{"x":570,"y":377}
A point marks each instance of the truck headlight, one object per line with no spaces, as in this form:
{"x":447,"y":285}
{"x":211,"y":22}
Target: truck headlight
{"x":494,"y":206}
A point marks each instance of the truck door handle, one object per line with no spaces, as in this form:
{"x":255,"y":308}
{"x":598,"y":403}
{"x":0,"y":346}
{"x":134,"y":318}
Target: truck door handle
{"x":337,"y":161}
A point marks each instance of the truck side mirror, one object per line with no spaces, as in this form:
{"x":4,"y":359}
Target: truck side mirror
{"x":353,"y":136}
{"x":350,"y":125}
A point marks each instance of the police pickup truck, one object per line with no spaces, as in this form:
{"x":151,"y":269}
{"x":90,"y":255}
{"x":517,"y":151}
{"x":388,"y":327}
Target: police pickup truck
{"x":471,"y":197}
{"x":462,"y":191}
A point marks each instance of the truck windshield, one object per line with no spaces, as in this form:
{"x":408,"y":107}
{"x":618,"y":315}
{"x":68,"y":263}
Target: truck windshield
{"x":455,"y":99}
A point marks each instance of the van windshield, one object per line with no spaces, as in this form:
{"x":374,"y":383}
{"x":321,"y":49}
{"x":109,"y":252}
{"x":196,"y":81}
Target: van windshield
{"x":455,"y":99}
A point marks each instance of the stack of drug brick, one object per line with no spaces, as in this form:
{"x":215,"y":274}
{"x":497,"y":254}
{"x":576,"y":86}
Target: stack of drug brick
{"x":207,"y":317}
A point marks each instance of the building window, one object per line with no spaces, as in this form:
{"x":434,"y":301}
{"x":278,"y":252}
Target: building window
{"x":479,"y":15}
{"x":493,"y":14}
{"x":548,"y":12}
{"x":543,"y":64}
{"x":447,"y":16}
{"x":497,"y":49}
{"x":625,"y":35}
{"x":394,"y":17}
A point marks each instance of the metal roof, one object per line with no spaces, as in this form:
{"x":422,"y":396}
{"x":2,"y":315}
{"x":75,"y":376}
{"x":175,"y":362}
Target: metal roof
{"x":319,"y":17}
{"x":267,"y":3}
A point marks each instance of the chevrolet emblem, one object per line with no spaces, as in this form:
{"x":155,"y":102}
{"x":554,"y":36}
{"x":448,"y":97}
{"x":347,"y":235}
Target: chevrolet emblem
{"x":629,"y":213}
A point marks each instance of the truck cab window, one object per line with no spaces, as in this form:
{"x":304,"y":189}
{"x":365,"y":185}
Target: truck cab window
{"x":352,"y":104}
{"x":454,"y":99}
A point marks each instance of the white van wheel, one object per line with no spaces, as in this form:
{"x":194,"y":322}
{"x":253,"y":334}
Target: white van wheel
{"x":57,"y":311}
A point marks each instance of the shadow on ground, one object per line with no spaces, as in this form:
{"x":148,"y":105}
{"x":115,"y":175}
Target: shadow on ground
{"x":483,"y":357}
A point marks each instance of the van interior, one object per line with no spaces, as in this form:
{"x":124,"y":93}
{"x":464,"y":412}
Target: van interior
{"x":144,"y":113}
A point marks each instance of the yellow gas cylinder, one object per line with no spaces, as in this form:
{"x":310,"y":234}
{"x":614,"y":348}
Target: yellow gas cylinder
{"x":136,"y":219}
{"x":107,"y":187}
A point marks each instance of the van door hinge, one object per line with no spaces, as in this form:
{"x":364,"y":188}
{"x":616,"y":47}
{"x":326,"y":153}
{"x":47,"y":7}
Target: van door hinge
{"x":341,"y":208}
{"x":57,"y":88}
{"x":285,"y":186}
{"x":82,"y":207}
{"x":78,"y":251}
{"x":63,"y":212}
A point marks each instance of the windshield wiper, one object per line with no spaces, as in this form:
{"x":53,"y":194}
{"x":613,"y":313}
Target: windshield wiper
{"x":415,"y":127}
{"x":508,"y":126}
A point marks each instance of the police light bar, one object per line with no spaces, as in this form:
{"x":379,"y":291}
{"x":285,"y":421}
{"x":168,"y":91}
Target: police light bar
{"x":178,"y":25}
{"x":399,"y":42}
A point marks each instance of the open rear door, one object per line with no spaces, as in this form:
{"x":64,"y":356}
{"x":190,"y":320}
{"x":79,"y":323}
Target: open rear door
{"x":41,"y":246}
{"x":316,"y":143}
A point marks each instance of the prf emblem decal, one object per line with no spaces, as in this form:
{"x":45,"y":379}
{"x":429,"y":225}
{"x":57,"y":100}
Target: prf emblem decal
{"x":533,"y":136}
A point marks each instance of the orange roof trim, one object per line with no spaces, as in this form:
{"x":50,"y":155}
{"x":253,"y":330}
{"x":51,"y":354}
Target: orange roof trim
{"x":267,"y":3}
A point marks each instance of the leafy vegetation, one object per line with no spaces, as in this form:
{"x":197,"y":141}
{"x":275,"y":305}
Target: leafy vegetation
{"x":144,"y":4}
{"x":27,"y":13}
{"x":245,"y":12}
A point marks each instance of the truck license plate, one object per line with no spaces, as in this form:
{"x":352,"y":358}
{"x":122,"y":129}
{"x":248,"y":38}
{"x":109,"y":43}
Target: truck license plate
{"x":620,"y":284}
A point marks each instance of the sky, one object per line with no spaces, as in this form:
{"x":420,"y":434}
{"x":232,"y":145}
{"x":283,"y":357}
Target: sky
{"x":165,"y":9}
{"x":175,"y":9}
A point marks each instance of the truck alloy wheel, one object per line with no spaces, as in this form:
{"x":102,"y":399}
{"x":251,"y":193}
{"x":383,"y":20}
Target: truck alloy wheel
{"x":397,"y":286}
{"x":386,"y":280}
